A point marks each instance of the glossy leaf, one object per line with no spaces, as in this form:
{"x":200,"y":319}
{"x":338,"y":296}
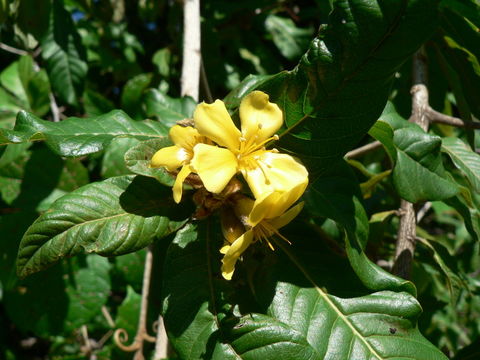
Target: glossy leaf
{"x":113,"y":163}
{"x":113,"y":217}
{"x":80,"y":136}
{"x":354,"y":58}
{"x":465,"y":159}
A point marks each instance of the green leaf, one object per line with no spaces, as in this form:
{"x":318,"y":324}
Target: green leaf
{"x":130,"y":266}
{"x":289,"y":39}
{"x":35,"y":84}
{"x":166,"y":109}
{"x":32,"y":17}
{"x":10,"y":80}
{"x":64,"y":55}
{"x":418,"y":173}
{"x":132,"y":95}
{"x":297,"y":311}
{"x":464,"y":159}
{"x":112,"y":217}
{"x":467,"y":8}
{"x":89,"y":293}
{"x":336,"y":196}
{"x":137,"y":160}
{"x":96,"y":104}
{"x":127,"y":316}
{"x":341,"y":85}
{"x":80,"y":136}
{"x":113,"y":163}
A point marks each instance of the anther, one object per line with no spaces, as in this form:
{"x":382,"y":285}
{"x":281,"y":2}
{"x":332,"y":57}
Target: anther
{"x":275,"y":137}
{"x":260,"y":126}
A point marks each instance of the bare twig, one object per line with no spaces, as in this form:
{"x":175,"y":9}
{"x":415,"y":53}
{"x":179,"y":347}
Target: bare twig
{"x":54,"y":108}
{"x":437,"y":117}
{"x":406,"y":235}
{"x":362,"y":150}
{"x":191,"y":49}
{"x":120,"y":336}
{"x":12,"y":49}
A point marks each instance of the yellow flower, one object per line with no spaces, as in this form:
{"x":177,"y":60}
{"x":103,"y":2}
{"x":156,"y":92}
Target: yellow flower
{"x":262,"y":217}
{"x":179,"y":155}
{"x":264,"y":170}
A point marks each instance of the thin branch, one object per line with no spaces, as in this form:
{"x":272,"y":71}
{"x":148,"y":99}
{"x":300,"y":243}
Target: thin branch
{"x":362,"y":150}
{"x":437,"y":117}
{"x":120,"y":336}
{"x":54,"y":108}
{"x":191,"y":49}
{"x":406,"y":235}
{"x":13,"y":50}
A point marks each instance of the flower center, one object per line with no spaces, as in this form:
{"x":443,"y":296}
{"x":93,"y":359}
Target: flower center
{"x":263,"y":230}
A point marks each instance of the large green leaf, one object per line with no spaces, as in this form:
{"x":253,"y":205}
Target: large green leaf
{"x":80,"y":136}
{"x":113,"y":217}
{"x":467,"y":8}
{"x":166,"y":109}
{"x":342,"y":83}
{"x":465,"y":159}
{"x":294,"y":315}
{"x":336,"y":195}
{"x":418,"y":172}
{"x":64,"y":55}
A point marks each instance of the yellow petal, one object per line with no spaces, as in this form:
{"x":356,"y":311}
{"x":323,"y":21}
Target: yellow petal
{"x":286,"y":217}
{"x":234,"y":252}
{"x":259,"y":116}
{"x":184,"y":136}
{"x":214,"y":122}
{"x":274,"y":204}
{"x":275,"y":172}
{"x":215,"y":166}
{"x":172,"y":157}
{"x":178,"y":186}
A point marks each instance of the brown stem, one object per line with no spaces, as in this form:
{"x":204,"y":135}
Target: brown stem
{"x":362,"y":150}
{"x":437,"y":117}
{"x":406,"y":235}
{"x":120,"y":336}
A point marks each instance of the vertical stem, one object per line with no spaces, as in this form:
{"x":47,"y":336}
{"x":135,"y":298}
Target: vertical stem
{"x":191,"y":49}
{"x":190,"y":82}
{"x":406,"y":236}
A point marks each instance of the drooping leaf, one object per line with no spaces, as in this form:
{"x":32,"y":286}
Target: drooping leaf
{"x":353,"y":59}
{"x":418,"y":172}
{"x":112,"y":217}
{"x":80,"y":136}
{"x":64,"y":55}
{"x":336,"y":195}
{"x":465,"y":159}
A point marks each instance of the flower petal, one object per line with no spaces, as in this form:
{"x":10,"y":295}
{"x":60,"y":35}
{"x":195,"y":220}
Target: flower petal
{"x":215,"y":166}
{"x":275,"y":204}
{"x":234,"y":252}
{"x":214,"y":122}
{"x":275,"y":172}
{"x":286,"y":217}
{"x":184,"y":136}
{"x":172,"y":157}
{"x":178,"y":186}
{"x":259,"y":116}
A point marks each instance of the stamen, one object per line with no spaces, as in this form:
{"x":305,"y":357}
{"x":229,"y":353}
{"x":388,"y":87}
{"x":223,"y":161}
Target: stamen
{"x":260,"y":126}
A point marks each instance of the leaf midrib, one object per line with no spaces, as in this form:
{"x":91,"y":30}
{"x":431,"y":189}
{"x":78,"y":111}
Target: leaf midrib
{"x":328,"y":301}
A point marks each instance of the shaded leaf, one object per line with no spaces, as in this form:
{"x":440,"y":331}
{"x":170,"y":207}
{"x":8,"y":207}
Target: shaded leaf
{"x":64,"y":55}
{"x":132,"y":95}
{"x":166,"y":109}
{"x":113,"y":217}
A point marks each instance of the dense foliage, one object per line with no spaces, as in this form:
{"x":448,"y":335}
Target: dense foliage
{"x":88,"y":92}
